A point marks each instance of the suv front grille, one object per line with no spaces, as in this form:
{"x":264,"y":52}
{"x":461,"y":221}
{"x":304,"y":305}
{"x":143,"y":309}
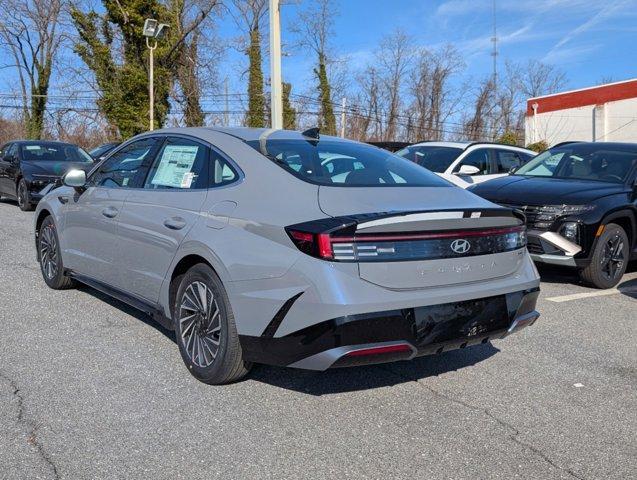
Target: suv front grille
{"x":534,"y":245}
{"x":536,"y":219}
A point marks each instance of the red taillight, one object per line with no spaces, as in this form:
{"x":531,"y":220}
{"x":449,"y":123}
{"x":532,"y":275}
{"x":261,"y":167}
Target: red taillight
{"x":363,"y":352}
{"x":301,"y":236}
{"x":325,"y":245}
{"x":315,"y":244}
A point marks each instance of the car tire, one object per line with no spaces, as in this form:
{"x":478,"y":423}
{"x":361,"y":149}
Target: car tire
{"x":50,"y":257}
{"x":22,"y":194}
{"x":205,"y":329}
{"x":609,"y":259}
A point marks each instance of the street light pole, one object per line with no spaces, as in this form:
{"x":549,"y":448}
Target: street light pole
{"x":151,"y":83}
{"x":153,"y":30}
{"x":276,"y":89}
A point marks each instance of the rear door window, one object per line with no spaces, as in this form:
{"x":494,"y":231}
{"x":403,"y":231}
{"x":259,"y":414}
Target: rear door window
{"x":505,"y":160}
{"x":180,"y":164}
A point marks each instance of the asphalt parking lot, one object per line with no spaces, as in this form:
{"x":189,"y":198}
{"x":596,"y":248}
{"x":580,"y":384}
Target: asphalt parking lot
{"x":89,"y":388}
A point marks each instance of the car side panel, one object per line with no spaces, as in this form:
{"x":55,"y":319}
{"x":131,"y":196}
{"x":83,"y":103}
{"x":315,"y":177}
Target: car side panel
{"x":90,"y":239}
{"x":148,"y":239}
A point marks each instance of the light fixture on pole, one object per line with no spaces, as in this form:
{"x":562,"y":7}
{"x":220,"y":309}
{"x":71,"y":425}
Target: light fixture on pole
{"x":153,"y":30}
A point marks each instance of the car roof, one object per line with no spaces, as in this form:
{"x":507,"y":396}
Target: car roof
{"x":42,"y":142}
{"x":466,"y":144}
{"x":628,"y":145}
{"x":247,"y":134}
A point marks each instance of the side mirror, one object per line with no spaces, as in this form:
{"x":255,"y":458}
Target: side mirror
{"x":513,"y":169}
{"x":75,"y":178}
{"x":468,"y":170}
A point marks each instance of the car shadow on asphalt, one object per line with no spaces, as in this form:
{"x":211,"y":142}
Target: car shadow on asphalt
{"x":342,"y":380}
{"x":338,"y":380}
{"x":133,"y":312}
{"x":629,"y":288}
{"x":557,"y":274}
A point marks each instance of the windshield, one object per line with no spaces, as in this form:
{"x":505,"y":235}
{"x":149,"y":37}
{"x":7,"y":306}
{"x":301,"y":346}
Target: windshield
{"x":598,"y":162}
{"x":436,"y":159}
{"x":55,"y":152}
{"x":338,"y":163}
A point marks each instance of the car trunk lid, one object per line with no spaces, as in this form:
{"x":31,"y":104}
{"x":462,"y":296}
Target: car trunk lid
{"x":433,"y":237}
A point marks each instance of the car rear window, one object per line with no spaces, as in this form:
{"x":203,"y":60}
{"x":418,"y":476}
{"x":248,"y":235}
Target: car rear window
{"x":345,"y":164}
{"x":434,"y":158}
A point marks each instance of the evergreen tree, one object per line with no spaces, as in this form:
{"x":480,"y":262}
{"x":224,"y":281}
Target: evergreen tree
{"x":289,"y":112}
{"x":256,"y":99}
{"x":327,"y":120}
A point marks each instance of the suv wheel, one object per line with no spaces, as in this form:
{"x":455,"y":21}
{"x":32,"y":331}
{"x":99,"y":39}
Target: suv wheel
{"x":51,"y":258}
{"x":610,"y":258}
{"x":22,"y":193}
{"x":205,"y":328}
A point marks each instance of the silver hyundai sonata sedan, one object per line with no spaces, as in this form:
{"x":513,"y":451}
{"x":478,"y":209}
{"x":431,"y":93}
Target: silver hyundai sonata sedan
{"x":287,"y":248}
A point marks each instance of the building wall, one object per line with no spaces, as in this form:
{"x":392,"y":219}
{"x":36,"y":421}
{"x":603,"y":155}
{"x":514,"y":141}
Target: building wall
{"x":610,"y":122}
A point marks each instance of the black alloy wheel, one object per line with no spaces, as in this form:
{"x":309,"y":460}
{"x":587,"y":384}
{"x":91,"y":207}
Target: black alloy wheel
{"x":22,"y":194}
{"x":609,"y":259}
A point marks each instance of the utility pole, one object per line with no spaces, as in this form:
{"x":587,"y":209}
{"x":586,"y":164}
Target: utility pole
{"x":226,"y":119}
{"x":343,"y":105}
{"x":276,"y":89}
{"x":494,"y":53}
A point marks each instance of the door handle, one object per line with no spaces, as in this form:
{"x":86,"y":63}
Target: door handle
{"x":175,"y":223}
{"x":110,"y":212}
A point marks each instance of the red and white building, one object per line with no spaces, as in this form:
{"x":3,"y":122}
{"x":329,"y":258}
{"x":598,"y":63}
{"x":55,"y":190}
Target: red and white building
{"x":606,"y":113}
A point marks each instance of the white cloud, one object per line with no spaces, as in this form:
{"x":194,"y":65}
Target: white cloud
{"x":608,"y":12}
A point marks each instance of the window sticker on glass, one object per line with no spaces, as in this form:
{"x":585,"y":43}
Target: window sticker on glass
{"x":175,"y":165}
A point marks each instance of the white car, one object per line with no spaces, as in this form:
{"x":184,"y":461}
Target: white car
{"x":467,"y":163}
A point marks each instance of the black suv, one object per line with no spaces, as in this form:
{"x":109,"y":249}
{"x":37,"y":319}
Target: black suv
{"x":27,"y":167}
{"x":580,"y":201}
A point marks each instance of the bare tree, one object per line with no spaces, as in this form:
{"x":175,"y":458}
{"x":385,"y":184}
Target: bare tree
{"x":190,"y":16}
{"x":394,"y":59}
{"x":30,"y":31}
{"x":368,"y":111}
{"x":537,"y":78}
{"x":434,"y":99}
{"x":476,"y":126}
{"x":314,"y":31}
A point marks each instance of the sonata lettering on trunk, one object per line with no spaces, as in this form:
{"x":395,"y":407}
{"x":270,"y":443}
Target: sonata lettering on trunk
{"x":464,"y":267}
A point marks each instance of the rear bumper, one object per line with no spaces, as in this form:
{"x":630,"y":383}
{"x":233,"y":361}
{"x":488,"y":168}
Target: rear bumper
{"x":395,"y":334}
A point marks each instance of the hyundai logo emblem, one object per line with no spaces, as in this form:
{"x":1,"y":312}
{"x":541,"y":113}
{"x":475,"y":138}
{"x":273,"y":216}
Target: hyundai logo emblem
{"x":460,"y":245}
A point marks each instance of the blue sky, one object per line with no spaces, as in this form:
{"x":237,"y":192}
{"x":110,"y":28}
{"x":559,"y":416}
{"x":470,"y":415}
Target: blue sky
{"x":589,"y":40}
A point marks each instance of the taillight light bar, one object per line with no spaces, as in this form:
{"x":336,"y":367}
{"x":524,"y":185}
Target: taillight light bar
{"x":338,"y":245}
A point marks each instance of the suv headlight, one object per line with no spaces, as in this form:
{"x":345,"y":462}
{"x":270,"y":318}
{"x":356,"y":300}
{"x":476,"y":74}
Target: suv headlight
{"x":565,"y":209}
{"x":547,"y":214}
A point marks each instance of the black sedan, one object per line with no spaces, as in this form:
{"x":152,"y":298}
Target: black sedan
{"x":580,"y":201}
{"x":27,"y":167}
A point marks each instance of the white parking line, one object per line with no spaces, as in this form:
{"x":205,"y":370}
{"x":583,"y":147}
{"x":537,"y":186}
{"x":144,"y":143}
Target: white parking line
{"x":600,"y":293}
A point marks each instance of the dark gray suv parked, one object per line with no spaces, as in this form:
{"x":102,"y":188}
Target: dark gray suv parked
{"x":288,"y":249}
